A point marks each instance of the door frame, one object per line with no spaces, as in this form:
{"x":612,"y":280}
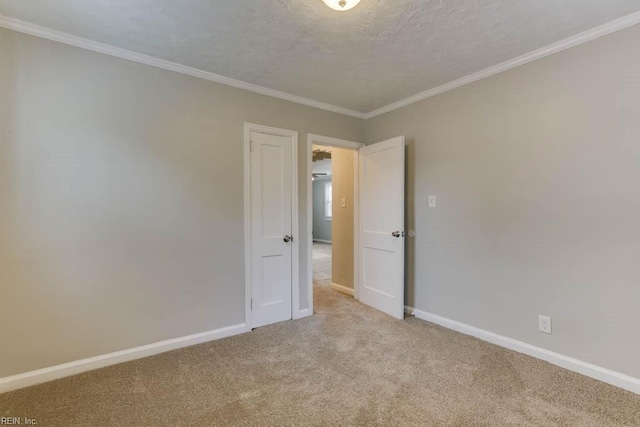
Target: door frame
{"x":338,"y":143}
{"x":295,"y":228}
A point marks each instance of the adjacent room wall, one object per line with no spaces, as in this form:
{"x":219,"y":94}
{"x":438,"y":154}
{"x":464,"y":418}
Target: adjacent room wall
{"x":121,"y":201}
{"x":537,"y":174}
{"x":321,"y":225}
{"x":342,"y":169}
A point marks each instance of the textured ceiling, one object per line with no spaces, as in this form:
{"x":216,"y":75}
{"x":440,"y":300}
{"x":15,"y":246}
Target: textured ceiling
{"x":378,"y":53}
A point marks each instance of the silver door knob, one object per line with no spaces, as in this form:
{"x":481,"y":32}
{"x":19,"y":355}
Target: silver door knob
{"x":397,"y":234}
{"x":288,"y":238}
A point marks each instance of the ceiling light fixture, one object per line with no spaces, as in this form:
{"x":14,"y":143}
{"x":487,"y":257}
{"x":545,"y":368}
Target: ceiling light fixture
{"x":341,"y":5}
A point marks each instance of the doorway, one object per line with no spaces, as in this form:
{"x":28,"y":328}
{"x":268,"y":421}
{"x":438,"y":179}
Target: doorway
{"x":333,"y":207}
{"x":322,"y":216}
{"x":378,"y":222}
{"x":333,"y":183}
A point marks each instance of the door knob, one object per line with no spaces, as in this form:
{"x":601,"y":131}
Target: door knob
{"x":287,"y":238}
{"x":397,"y":234}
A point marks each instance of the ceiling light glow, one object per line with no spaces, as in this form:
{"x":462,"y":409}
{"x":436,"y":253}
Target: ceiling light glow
{"x":341,"y":5}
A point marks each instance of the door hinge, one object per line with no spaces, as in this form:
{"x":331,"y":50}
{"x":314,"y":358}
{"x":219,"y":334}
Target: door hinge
{"x":252,"y":146}
{"x":251,"y":303}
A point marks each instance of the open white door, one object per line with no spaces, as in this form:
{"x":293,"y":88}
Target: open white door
{"x":271,"y":228}
{"x":381,"y":243}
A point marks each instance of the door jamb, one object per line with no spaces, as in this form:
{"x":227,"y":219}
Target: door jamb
{"x":295,"y":228}
{"x":339,"y":143}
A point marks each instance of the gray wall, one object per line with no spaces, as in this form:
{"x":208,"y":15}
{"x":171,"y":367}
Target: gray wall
{"x":121,"y":201}
{"x":321,"y":225}
{"x":537,"y":173}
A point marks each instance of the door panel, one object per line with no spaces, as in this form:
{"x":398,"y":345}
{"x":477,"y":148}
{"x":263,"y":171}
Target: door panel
{"x":271,"y":207}
{"x":381,"y":254}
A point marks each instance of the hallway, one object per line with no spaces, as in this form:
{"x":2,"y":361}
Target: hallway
{"x":321,"y":263}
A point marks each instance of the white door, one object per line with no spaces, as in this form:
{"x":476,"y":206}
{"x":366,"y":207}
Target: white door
{"x":381,"y":223}
{"x":271,"y":228}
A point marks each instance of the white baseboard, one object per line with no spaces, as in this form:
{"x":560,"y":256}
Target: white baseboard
{"x":599,"y":373}
{"x":323,"y":241}
{"x":27,"y":379}
{"x":302,"y":314}
{"x":342,"y":289}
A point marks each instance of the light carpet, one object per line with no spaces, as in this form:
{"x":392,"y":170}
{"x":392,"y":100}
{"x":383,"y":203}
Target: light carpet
{"x":348,"y":365}
{"x":322,"y":263}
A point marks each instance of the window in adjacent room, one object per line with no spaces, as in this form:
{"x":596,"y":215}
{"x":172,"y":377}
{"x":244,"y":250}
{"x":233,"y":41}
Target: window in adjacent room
{"x":328,"y":206}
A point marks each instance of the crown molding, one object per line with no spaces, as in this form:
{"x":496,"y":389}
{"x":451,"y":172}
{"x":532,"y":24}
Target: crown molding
{"x":578,"y":39}
{"x":69,"y":39}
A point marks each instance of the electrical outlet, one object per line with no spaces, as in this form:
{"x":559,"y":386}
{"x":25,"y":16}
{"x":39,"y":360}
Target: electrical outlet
{"x":544,"y":324}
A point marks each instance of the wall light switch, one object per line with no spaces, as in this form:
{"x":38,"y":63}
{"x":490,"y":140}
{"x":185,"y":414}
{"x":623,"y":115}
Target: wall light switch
{"x":432,"y":201}
{"x":344,"y":202}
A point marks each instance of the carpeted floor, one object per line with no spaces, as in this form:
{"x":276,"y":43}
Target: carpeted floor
{"x":347,"y":365}
{"x":321,"y":263}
